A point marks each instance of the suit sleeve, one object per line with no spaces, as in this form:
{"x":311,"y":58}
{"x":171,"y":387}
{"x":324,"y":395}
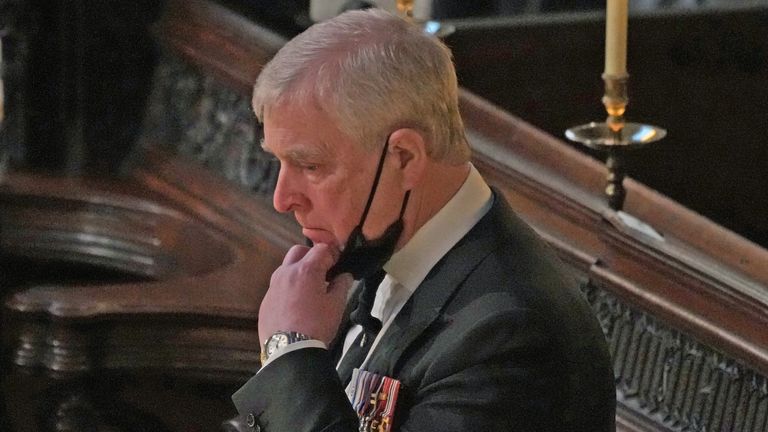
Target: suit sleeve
{"x":300,"y":391}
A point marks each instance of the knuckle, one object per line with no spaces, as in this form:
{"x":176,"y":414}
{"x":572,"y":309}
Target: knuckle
{"x":295,"y":249}
{"x":305,"y":269}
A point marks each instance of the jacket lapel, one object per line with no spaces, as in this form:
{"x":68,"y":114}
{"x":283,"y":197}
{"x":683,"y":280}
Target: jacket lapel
{"x":429,"y":299}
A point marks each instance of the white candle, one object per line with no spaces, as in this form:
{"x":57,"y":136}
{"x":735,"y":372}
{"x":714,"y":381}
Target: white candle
{"x":616,"y":37}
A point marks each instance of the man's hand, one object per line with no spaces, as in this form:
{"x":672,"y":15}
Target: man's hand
{"x":299,"y":299}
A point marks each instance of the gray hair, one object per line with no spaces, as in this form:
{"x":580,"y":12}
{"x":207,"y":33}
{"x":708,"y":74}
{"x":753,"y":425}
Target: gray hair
{"x":371,"y":72}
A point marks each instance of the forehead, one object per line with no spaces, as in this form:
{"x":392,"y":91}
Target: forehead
{"x":302,"y":128}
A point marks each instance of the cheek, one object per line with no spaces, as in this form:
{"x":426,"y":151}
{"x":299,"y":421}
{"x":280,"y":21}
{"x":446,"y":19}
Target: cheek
{"x":344,"y":196}
{"x":345,"y":210}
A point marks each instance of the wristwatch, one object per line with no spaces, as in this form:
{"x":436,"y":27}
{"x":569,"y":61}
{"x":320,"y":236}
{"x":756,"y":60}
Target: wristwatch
{"x":278,"y":340}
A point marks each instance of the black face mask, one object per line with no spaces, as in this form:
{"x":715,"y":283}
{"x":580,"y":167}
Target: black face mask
{"x":362,"y":257}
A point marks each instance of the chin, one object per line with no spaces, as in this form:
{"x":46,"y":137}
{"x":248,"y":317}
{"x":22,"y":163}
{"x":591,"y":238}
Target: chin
{"x":319,"y":236}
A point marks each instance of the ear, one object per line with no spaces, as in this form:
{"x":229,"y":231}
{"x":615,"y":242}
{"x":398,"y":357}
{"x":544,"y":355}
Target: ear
{"x":408,"y":149}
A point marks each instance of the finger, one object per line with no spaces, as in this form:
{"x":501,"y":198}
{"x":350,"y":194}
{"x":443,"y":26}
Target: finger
{"x":295,"y":253}
{"x":323,"y":255}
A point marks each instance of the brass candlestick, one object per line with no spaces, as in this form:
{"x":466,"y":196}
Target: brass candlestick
{"x":405,"y":7}
{"x":432,"y":27}
{"x":615,"y":136}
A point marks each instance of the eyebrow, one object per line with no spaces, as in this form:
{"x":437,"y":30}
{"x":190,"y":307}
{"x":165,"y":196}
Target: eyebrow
{"x":300,"y":153}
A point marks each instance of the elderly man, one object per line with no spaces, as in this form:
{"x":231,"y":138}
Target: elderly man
{"x":473,"y":324}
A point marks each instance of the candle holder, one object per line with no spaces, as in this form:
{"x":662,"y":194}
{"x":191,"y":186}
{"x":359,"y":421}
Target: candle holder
{"x":615,"y":136}
{"x":431,"y":27}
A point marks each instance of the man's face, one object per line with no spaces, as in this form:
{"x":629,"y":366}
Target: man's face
{"x":325,"y":177}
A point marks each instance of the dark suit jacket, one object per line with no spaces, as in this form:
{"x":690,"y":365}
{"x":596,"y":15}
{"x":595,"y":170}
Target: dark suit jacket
{"x":497,"y":338}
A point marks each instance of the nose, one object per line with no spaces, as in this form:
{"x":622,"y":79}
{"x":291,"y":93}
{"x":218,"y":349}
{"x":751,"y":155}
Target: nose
{"x":287,"y":196}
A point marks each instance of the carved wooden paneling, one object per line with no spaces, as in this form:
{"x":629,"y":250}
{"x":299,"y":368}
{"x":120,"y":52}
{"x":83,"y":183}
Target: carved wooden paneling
{"x":675,"y":380}
{"x":219,"y":131}
{"x":66,"y":219}
{"x":188,"y":265}
{"x":194,"y":253}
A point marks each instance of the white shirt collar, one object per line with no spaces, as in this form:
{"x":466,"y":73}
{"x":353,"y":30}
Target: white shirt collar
{"x":411,"y":264}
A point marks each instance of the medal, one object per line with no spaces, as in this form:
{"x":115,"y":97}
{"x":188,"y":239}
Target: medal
{"x":373,"y":398}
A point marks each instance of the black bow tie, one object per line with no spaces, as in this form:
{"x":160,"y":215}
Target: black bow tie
{"x":357,"y":352}
{"x":362,"y":314}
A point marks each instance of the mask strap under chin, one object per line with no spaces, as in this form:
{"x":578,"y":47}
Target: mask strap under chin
{"x":375,"y":182}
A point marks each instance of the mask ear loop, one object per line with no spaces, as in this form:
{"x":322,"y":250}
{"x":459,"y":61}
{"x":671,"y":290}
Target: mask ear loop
{"x":376,"y":185}
{"x":375,"y":182}
{"x":405,"y":203}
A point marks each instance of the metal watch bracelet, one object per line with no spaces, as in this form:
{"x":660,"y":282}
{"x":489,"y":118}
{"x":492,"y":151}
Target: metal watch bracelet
{"x":278,"y":340}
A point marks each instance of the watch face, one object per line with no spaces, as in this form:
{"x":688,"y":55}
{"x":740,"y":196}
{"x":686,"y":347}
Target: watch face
{"x":276,"y":341}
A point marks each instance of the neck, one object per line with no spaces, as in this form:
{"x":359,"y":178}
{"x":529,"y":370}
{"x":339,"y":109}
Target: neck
{"x":442,"y":181}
